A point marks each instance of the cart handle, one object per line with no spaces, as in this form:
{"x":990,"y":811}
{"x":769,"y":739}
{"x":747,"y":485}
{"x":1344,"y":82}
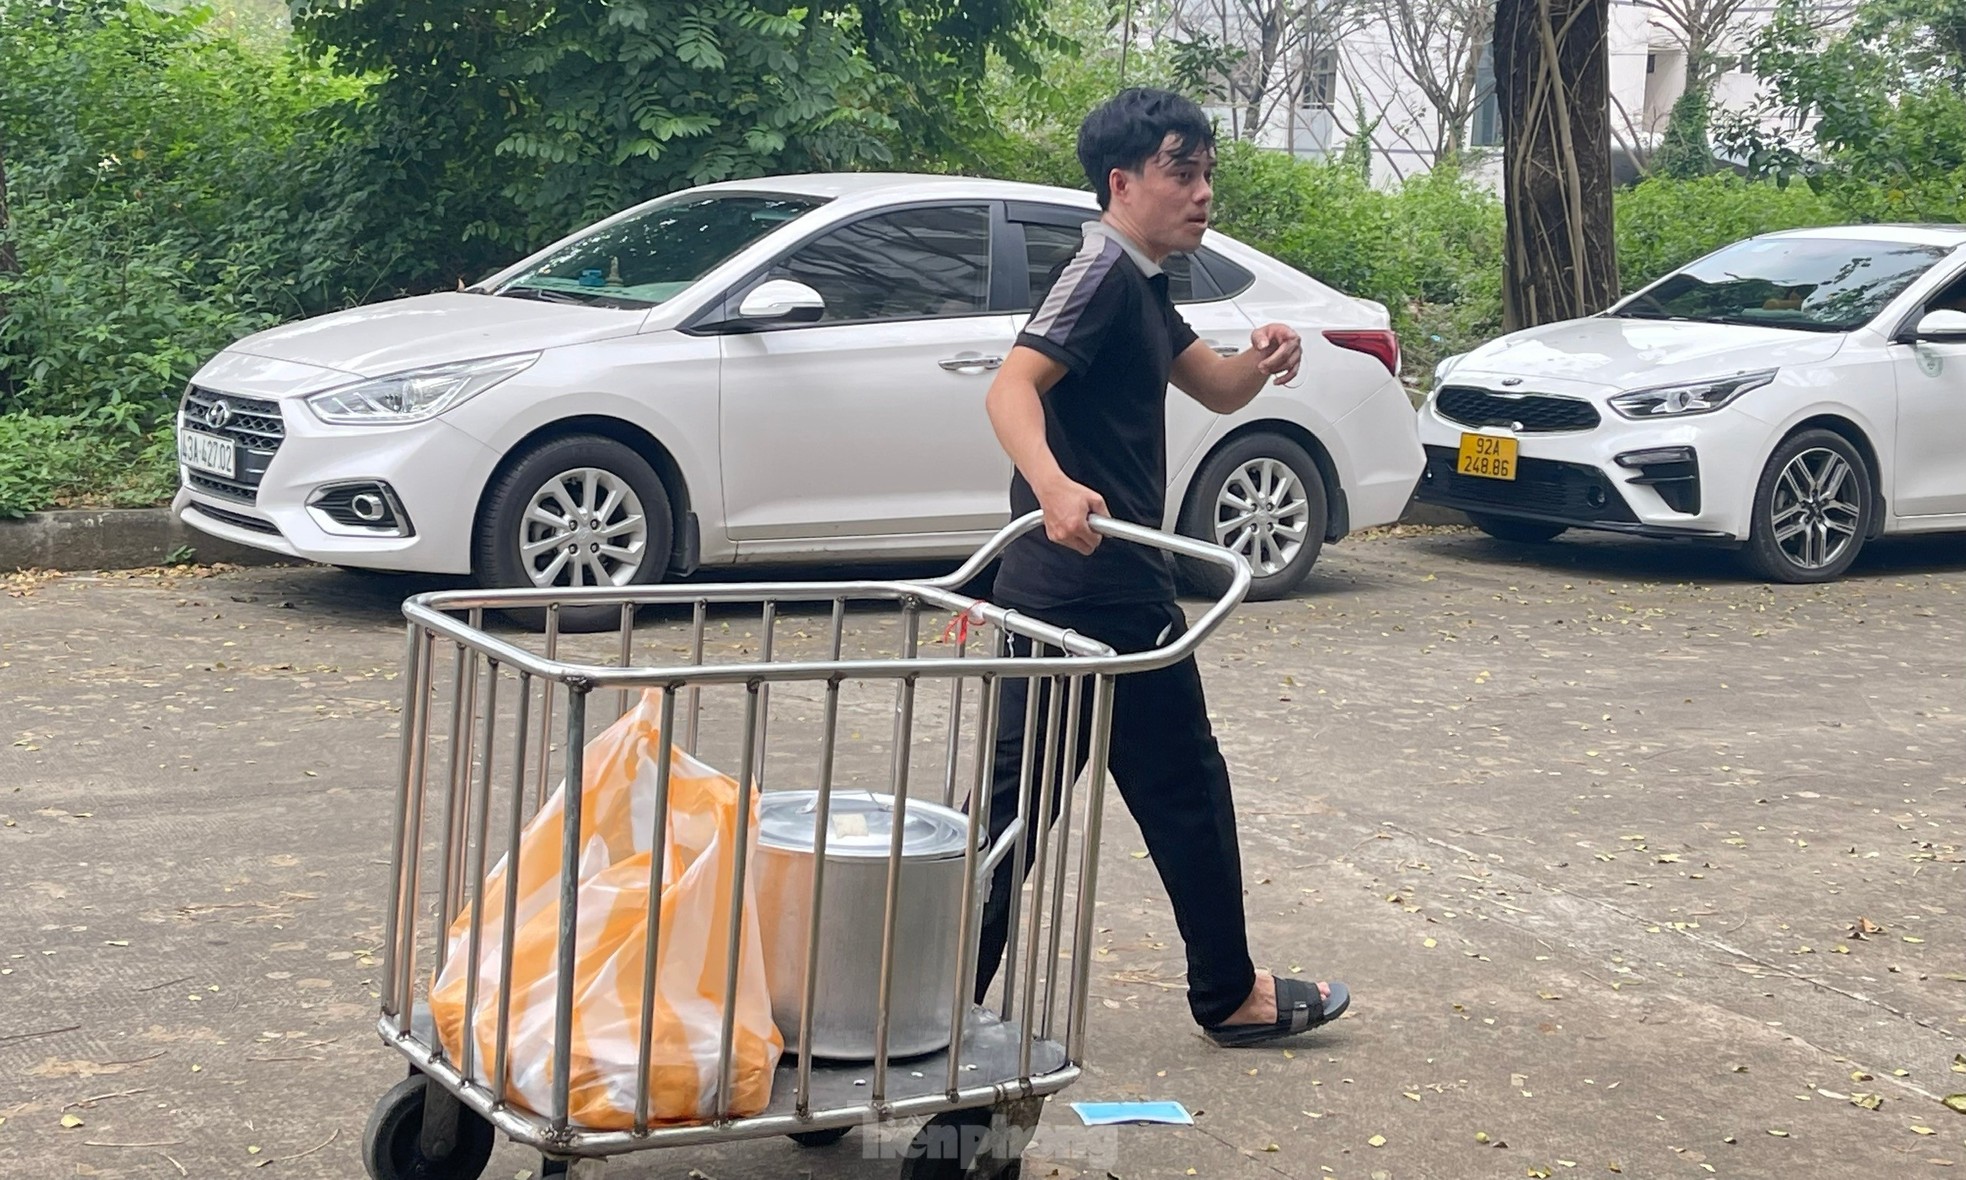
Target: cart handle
{"x":431,"y":612}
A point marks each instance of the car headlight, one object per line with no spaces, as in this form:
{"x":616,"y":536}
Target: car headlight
{"x":1445,"y":366}
{"x":416,"y":395}
{"x":1689,"y":397}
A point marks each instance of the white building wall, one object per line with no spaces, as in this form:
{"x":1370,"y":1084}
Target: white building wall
{"x":1647,"y":75}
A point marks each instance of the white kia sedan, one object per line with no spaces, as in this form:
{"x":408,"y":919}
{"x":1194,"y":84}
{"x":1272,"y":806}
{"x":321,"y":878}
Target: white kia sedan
{"x":1794,"y":394}
{"x":790,"y":368}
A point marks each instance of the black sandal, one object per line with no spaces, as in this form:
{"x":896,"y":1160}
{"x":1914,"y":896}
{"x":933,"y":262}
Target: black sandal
{"x":1299,"y":1009}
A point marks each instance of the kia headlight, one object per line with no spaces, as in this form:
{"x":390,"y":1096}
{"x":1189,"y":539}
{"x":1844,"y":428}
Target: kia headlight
{"x":1445,"y":367}
{"x":416,"y":395}
{"x":1689,"y":397}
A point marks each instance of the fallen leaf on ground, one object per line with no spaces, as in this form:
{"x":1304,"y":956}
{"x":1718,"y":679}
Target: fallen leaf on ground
{"x":1377,"y":1141}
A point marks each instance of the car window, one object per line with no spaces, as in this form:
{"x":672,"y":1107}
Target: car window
{"x":1048,"y":247}
{"x":1230,"y":277}
{"x":910,"y":264}
{"x":653,"y":256}
{"x":1814,"y":284}
{"x":1952,"y":297}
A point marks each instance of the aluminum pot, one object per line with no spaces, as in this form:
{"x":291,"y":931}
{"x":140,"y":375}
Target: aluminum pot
{"x":845,"y":1011}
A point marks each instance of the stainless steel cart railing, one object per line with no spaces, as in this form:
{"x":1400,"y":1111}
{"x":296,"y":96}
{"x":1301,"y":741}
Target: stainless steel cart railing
{"x":775,"y":678}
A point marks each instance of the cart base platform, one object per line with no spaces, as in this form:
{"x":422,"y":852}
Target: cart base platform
{"x":842,"y":1092}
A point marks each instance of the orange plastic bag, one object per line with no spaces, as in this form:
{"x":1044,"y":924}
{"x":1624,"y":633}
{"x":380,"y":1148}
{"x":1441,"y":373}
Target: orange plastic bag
{"x":617,"y":812}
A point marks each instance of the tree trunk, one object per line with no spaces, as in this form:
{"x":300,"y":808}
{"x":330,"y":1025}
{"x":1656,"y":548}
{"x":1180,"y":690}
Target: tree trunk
{"x":1553,"y":84}
{"x":1266,"y":60}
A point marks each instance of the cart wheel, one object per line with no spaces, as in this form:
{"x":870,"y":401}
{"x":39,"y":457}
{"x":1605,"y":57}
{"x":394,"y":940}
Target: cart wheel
{"x":982,"y":1143}
{"x":393,"y":1146}
{"x":825,"y":1138}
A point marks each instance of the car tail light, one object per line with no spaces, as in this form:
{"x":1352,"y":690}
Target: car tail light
{"x":1379,"y":343}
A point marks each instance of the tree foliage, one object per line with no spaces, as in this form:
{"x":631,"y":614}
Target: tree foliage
{"x":494,"y":127}
{"x":1686,"y":151}
{"x":164,"y":197}
{"x":1883,"y":100}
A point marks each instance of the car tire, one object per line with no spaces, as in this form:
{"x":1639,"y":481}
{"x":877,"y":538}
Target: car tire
{"x":1285,"y":489}
{"x":589,"y":472}
{"x":1812,"y":509}
{"x":1516,"y":529}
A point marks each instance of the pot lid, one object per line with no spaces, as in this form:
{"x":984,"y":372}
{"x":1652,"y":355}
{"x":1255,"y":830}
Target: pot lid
{"x":860,"y":824}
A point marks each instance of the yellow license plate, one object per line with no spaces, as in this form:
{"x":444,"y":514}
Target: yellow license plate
{"x":1488,"y":456}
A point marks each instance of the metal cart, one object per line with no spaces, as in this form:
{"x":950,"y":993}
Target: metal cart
{"x":839,"y":666}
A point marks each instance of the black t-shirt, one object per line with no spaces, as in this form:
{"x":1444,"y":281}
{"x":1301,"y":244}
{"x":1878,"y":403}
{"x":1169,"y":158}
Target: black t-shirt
{"x":1117,"y":333}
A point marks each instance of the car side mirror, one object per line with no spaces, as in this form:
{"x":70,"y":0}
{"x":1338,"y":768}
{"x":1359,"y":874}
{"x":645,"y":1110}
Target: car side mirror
{"x":1942,"y":327}
{"x":780,"y":301}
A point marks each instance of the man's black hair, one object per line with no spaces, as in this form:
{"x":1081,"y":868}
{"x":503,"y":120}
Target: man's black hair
{"x":1128,"y":130}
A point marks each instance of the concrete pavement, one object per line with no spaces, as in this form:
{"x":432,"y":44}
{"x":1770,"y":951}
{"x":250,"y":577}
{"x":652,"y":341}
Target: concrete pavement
{"x":1634,"y":866}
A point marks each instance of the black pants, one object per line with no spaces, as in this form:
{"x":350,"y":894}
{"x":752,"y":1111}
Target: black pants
{"x":1171,"y":775}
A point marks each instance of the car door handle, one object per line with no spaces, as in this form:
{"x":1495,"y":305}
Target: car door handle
{"x":969,"y":362}
{"x":1224,"y":349}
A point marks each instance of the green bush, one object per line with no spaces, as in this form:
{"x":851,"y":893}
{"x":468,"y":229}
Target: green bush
{"x":39,"y":455}
{"x":111,"y":313}
{"x":50,"y":459}
{"x":1430,"y":249}
{"x":165,"y":188}
{"x":1663,"y":223}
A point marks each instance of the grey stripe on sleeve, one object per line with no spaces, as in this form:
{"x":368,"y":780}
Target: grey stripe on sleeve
{"x":1074,"y":289}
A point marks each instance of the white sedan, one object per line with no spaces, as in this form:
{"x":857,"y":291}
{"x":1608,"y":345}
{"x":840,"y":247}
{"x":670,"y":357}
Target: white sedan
{"x":785,"y":368}
{"x":1794,"y":394}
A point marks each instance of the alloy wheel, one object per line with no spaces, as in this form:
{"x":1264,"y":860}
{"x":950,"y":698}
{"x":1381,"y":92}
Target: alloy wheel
{"x":1262,"y":513}
{"x":583,"y":527}
{"x":1814,"y":511}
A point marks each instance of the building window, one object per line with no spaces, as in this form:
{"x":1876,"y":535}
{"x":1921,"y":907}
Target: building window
{"x":1486,"y":127}
{"x":1651,"y":63}
{"x":1321,"y":80}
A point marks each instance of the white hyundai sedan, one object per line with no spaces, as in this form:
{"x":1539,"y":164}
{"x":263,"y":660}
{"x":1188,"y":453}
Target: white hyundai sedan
{"x":1794,"y":394}
{"x":787,"y":368}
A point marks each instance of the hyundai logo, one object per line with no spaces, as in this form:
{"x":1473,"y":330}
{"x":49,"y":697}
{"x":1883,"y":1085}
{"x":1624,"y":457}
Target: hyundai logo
{"x":1511,"y":380}
{"x":218,"y":414}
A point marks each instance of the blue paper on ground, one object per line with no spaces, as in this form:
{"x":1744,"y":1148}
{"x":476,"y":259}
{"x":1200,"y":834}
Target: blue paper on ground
{"x":1105,"y":1114}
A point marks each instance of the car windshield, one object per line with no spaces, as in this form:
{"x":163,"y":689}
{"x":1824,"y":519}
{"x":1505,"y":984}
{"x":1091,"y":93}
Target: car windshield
{"x":653,"y":256}
{"x":1811,"y":284}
